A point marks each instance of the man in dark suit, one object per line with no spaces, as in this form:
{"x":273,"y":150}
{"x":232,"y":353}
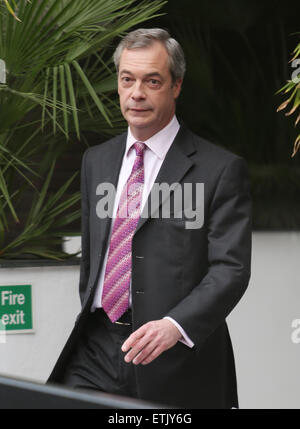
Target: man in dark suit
{"x":156,"y":289}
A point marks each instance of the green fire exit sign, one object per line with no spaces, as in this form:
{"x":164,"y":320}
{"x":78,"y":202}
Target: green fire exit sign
{"x":16,"y":308}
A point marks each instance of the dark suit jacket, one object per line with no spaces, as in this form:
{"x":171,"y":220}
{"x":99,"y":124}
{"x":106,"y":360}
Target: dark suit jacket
{"x":195,"y":276}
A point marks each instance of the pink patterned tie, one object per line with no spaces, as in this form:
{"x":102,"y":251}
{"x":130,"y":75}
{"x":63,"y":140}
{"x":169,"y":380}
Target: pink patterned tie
{"x":115,"y":296}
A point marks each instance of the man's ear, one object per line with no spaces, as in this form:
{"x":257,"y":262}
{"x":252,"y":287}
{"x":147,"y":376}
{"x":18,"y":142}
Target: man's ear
{"x":177,"y":87}
{"x":118,"y":83}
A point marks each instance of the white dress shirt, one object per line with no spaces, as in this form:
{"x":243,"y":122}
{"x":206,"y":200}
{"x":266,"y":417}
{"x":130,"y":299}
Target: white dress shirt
{"x":157,"y":148}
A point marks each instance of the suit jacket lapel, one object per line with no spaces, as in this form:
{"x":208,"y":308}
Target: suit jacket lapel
{"x":110,"y":174}
{"x":174,"y":167}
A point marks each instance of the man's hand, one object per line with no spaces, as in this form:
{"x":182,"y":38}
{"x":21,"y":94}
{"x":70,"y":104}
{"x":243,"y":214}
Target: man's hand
{"x":150,"y":340}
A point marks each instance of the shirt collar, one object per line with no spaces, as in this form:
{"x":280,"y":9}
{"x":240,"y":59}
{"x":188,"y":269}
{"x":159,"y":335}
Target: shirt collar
{"x":160,"y":142}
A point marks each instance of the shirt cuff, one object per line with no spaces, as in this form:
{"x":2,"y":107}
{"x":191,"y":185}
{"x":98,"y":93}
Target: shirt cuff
{"x":186,"y":339}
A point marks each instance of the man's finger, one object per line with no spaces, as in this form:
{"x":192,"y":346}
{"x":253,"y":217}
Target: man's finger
{"x":145,"y":353}
{"x":155,"y":353}
{"x":133,"y":338}
{"x":141,"y":350}
{"x":141,"y":344}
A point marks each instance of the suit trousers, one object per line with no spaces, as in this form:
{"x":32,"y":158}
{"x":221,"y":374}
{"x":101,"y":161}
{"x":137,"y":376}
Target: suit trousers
{"x":98,"y":361}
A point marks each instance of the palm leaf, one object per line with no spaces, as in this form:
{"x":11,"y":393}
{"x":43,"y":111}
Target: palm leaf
{"x":59,"y":84}
{"x":293,"y":99}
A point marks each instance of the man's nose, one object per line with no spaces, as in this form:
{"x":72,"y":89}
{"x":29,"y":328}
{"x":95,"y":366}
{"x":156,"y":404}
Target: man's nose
{"x":138,"y":92}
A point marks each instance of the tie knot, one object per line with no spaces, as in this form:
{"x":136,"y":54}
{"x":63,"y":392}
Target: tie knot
{"x":139,"y":148}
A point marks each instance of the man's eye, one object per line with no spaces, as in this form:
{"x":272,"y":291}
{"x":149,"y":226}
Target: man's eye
{"x":154,"y":83}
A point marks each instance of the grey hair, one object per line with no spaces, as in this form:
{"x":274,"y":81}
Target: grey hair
{"x":144,"y":37}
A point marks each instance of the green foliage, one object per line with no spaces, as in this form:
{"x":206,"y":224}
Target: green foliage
{"x":60,"y":83}
{"x":10,"y":8}
{"x":293,"y":101}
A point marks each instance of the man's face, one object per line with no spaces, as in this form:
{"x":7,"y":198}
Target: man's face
{"x":147,"y":94}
